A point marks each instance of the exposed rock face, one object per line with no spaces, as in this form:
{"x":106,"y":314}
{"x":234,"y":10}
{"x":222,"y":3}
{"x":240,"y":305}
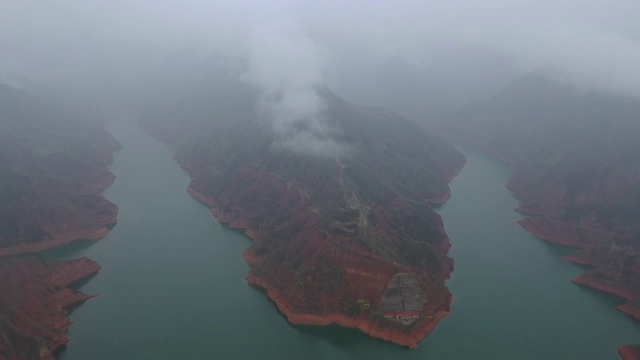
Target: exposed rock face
{"x":52,"y":168}
{"x":329,"y":231}
{"x":34,"y":304}
{"x":575,"y":170}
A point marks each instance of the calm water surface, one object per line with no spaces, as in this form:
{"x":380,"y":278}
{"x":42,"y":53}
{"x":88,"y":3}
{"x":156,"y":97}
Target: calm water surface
{"x":171,"y":284}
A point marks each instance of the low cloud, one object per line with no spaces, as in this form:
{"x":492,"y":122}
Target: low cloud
{"x":587,"y":42}
{"x":587,"y":58}
{"x":287,"y":69}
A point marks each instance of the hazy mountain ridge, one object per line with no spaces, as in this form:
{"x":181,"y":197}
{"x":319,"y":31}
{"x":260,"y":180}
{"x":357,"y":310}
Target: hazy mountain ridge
{"x":328,"y":230}
{"x":53,"y":166}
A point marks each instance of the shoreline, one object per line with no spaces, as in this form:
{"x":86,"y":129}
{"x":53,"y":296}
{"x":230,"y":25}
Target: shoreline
{"x":105,"y":224}
{"x":38,"y":307}
{"x":361,"y":323}
{"x":565,"y":234}
{"x":364,"y":324}
{"x":62,"y":240}
{"x":43,"y":311}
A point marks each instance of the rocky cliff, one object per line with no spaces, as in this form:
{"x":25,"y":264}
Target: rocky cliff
{"x":331,"y":229}
{"x":52,"y":169}
{"x":575,"y":171}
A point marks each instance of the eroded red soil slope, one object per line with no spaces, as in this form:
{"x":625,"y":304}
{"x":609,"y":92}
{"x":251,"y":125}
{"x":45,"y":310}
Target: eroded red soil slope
{"x":52,"y":169}
{"x":34,"y":304}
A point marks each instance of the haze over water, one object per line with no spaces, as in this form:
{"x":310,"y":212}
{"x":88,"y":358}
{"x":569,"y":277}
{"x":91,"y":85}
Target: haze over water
{"x":171,"y":284}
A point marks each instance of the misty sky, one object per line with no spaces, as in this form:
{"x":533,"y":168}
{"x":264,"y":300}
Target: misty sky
{"x":592,"y":43}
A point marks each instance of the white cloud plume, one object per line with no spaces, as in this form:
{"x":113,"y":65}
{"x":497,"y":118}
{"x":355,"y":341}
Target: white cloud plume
{"x":287,"y":68}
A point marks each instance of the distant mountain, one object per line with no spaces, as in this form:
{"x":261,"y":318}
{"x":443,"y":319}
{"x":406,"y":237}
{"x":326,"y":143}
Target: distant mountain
{"x":52,"y":169}
{"x":576,"y":169}
{"x":449,"y":78}
{"x":333,"y":233}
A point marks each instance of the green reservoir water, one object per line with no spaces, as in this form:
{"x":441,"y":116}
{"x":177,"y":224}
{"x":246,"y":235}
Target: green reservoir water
{"x":172,"y":282}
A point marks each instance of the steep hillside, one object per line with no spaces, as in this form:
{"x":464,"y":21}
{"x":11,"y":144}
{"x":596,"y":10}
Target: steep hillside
{"x":332,"y":229}
{"x":52,"y":168}
{"x":576,"y":172}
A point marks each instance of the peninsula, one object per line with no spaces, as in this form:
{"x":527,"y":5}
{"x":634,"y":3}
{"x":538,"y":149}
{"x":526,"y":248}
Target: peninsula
{"x":344,"y":233}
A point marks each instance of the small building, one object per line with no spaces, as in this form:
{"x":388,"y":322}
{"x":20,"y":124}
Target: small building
{"x":403,"y":315}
